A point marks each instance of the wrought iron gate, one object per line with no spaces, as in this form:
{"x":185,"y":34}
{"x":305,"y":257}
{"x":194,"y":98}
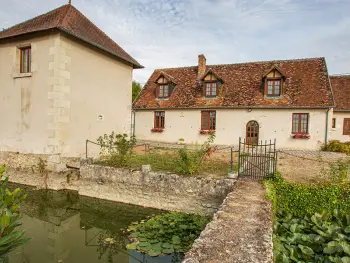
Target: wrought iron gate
{"x":257,"y":161}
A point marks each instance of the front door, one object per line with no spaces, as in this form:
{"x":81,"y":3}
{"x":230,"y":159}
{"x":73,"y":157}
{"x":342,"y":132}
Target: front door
{"x":252,"y":133}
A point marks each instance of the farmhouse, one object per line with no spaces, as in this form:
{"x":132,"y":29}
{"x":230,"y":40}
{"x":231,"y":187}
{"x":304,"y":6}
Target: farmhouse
{"x":340,"y":129}
{"x":62,"y":81}
{"x":288,"y":100}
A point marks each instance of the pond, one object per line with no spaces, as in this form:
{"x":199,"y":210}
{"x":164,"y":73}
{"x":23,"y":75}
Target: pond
{"x":67,"y":228}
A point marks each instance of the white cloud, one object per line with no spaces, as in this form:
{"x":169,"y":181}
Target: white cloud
{"x":171,"y":33}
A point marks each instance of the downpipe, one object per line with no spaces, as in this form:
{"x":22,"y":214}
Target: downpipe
{"x":327,"y":120}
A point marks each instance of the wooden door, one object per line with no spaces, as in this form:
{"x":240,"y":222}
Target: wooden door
{"x":252,"y":133}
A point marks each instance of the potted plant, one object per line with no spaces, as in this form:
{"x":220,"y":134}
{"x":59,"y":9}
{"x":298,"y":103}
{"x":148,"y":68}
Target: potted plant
{"x":301,"y":136}
{"x":157,"y":129}
{"x":207,"y":131}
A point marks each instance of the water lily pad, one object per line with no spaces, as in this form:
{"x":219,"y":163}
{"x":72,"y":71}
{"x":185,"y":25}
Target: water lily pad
{"x":131,"y":246}
{"x":154,"y":253}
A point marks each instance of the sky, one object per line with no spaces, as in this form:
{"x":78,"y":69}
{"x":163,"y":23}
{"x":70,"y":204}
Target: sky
{"x":172,"y":33}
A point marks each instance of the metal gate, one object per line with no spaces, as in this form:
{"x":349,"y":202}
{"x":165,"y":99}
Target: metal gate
{"x":257,"y":161}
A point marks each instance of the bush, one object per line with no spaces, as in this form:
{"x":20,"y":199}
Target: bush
{"x":300,"y":199}
{"x":10,"y":237}
{"x":189,"y":161}
{"x":337,"y":146}
{"x":117,"y":146}
{"x":319,"y":238}
{"x":166,"y":234}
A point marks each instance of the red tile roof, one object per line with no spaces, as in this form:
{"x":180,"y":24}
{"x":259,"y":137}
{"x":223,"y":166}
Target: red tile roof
{"x":341,"y":90}
{"x":68,"y":19}
{"x":306,"y":85}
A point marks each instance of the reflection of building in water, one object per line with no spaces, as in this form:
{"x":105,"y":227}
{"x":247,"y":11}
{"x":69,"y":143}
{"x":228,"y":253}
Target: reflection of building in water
{"x":66,"y":228}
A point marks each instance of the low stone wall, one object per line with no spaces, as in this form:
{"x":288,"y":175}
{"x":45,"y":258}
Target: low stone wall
{"x":241,"y":231}
{"x":154,"y":189}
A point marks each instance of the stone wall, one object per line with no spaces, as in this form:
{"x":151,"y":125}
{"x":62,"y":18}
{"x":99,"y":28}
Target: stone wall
{"x":154,"y":189}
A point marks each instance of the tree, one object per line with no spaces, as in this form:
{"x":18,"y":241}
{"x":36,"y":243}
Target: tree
{"x":10,"y":237}
{"x":136,"y":88}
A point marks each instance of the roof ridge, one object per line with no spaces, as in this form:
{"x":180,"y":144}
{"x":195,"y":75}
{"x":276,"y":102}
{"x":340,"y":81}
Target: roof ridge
{"x":98,"y":29}
{"x":28,"y":20}
{"x":249,"y":62}
{"x":340,"y":75}
{"x":63,"y":18}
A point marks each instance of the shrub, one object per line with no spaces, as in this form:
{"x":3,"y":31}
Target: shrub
{"x":319,"y":238}
{"x":10,"y":237}
{"x":117,"y":146}
{"x":300,"y":199}
{"x":337,"y":146}
{"x":166,"y":234}
{"x":189,"y":161}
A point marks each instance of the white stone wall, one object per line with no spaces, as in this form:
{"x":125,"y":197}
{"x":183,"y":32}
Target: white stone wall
{"x":24,"y":97}
{"x":337,"y":132}
{"x":231,"y":124}
{"x":56,"y":107}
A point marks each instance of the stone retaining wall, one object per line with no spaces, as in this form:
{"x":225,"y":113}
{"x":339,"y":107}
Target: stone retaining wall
{"x":154,"y":189}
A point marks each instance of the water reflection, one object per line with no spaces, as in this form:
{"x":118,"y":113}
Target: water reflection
{"x":68,"y":228}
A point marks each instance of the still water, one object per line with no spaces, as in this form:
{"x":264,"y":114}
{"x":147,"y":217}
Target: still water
{"x":67,"y":228}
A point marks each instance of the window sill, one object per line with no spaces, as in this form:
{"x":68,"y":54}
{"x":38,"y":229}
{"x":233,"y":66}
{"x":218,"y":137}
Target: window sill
{"x":300,"y":136}
{"x":206,"y":132}
{"x":157,"y":130}
{"x":166,"y":98}
{"x":273,"y":97}
{"x":22,"y":75}
{"x":210,"y":98}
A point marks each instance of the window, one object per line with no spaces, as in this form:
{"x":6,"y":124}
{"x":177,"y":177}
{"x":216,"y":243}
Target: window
{"x":26,"y":57}
{"x":346,"y":127}
{"x":210,"y":89}
{"x":334,"y":122}
{"x":159,"y":119}
{"x":300,"y":123}
{"x":163,"y":91}
{"x":273,"y":88}
{"x":208,"y":120}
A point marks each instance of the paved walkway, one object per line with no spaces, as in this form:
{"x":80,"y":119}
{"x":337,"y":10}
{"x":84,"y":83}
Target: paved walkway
{"x":241,"y":231}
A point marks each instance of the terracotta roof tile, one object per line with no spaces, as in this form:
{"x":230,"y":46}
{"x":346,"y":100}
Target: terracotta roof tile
{"x":341,"y":90}
{"x":306,"y":85}
{"x":68,"y":19}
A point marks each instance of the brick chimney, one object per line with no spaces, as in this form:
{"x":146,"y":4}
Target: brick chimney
{"x":202,"y":64}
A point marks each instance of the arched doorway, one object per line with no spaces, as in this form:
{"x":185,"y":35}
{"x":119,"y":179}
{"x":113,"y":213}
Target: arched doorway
{"x":252,"y":132}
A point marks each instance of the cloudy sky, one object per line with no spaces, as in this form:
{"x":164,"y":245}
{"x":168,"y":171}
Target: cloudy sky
{"x":171,"y":33}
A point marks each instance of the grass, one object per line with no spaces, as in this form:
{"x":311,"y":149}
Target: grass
{"x":167,"y":161}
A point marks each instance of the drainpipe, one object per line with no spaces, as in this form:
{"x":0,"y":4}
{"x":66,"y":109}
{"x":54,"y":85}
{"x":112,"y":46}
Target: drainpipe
{"x":132,"y":123}
{"x":327,"y":117}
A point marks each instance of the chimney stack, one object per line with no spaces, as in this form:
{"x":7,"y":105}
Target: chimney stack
{"x":202,"y":63}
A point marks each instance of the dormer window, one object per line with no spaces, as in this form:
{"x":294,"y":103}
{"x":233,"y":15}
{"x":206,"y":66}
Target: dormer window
{"x":273,"y":82}
{"x":211,"y":84}
{"x":211,"y":89}
{"x":165,"y":86}
{"x":163,"y":91}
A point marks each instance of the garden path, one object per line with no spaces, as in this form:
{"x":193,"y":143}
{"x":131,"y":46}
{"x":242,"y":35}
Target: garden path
{"x":240,"y":232}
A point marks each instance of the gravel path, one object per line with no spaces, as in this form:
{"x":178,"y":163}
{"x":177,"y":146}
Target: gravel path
{"x":240,"y":232}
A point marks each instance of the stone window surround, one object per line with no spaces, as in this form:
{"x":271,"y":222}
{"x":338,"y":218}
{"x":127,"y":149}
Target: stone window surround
{"x":17,"y":73}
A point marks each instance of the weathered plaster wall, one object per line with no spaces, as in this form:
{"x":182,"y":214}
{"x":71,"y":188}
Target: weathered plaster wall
{"x":56,"y":107}
{"x":154,"y":189}
{"x":23,"y":101}
{"x":97,"y":85}
{"x":231,"y":124}
{"x":337,"y":132}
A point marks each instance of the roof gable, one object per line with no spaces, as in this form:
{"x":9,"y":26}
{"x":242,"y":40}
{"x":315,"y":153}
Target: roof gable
{"x":341,"y":90}
{"x":274,"y":68}
{"x":306,"y":85}
{"x":211,"y":72}
{"x":69,"y":20}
